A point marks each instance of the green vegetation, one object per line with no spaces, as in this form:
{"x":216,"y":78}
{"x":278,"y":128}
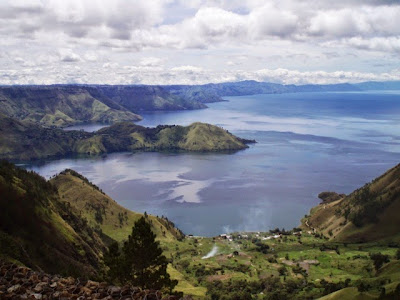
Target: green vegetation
{"x":140,"y":261}
{"x":60,"y":106}
{"x":25,"y":141}
{"x":305,"y":266}
{"x":40,"y":231}
{"x":64,"y":105}
{"x":367,"y":214}
{"x":65,"y":225}
{"x":102,"y":212}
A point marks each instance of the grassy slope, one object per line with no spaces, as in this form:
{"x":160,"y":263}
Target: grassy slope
{"x":378,"y":202}
{"x":116,"y":221}
{"x":350,"y":293}
{"x":37,"y":228}
{"x":88,"y":199}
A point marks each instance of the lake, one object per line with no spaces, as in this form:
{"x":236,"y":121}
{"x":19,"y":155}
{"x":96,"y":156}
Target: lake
{"x":306,"y":143}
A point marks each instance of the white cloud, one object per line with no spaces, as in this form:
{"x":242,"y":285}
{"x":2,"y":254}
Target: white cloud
{"x":269,"y":20}
{"x":67,"y":55}
{"x":198,"y":41}
{"x":388,"y":44}
{"x":187,"y":69}
{"x":151,"y":62}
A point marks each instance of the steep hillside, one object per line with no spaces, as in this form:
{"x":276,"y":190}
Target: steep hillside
{"x":369,"y":213}
{"x":148,"y":98}
{"x":60,"y":106}
{"x":104,"y":213}
{"x":25,"y":141}
{"x":39,"y":230}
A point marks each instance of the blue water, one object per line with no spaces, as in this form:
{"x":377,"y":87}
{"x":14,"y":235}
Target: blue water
{"x":306,"y":143}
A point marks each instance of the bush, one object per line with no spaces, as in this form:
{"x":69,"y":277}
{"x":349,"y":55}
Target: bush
{"x":379,"y":259}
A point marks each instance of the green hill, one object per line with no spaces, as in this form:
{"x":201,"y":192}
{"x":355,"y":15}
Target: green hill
{"x":60,"y":106}
{"x":39,"y":230}
{"x":63,"y":225}
{"x":369,"y":213}
{"x":25,"y":141}
{"x":102,"y":212}
{"x":195,"y":137}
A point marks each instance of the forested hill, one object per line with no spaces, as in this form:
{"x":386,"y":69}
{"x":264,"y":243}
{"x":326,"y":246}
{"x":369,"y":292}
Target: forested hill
{"x":21,"y":140}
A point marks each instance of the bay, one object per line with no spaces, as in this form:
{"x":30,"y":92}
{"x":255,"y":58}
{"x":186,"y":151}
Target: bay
{"x":306,"y":143}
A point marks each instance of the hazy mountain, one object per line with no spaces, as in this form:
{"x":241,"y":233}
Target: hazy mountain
{"x":138,"y":98}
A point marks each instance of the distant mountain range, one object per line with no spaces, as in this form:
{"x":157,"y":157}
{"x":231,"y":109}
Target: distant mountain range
{"x":214,"y":91}
{"x":65,"y":105}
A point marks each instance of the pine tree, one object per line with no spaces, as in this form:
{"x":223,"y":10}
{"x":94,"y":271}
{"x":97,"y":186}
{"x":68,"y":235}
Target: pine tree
{"x":141,"y":261}
{"x":113,"y":259}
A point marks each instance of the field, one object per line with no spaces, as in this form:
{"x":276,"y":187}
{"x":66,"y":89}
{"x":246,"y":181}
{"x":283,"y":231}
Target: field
{"x":303,"y":265}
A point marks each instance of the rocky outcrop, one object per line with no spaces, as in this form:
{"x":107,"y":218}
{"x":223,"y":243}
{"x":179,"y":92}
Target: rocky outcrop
{"x":18,"y":282}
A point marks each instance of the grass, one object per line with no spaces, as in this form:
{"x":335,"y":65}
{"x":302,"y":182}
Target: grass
{"x":350,"y":293}
{"x":185,"y":286}
{"x":103,"y":212}
{"x":353,"y":263}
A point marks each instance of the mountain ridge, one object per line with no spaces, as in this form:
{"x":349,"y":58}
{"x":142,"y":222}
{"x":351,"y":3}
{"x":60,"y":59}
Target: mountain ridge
{"x":62,"y":105}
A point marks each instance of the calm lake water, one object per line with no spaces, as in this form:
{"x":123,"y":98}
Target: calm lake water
{"x":307,"y":143}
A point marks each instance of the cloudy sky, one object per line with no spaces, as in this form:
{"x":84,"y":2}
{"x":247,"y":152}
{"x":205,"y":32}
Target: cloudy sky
{"x":198,"y":41}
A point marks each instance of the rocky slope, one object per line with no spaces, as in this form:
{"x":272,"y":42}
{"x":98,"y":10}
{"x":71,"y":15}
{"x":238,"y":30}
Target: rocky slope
{"x":367,"y":214}
{"x":18,"y":282}
{"x":25,"y":141}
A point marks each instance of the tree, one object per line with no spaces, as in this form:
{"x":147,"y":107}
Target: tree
{"x":379,"y":259}
{"x":362,"y":287}
{"x":113,"y":259}
{"x":141,"y":261}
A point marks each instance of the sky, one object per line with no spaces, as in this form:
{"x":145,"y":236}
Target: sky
{"x":198,"y":41}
